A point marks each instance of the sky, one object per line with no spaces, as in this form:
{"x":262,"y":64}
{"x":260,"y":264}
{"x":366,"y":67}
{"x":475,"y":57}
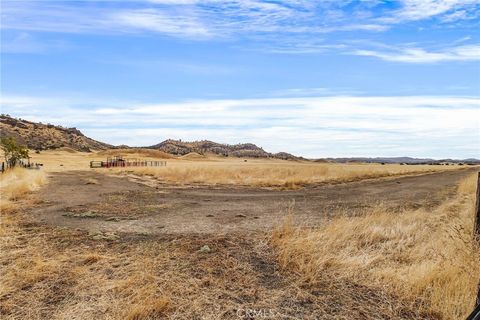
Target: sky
{"x":331,"y":78}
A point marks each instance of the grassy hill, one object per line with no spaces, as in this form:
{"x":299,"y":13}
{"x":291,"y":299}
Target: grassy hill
{"x":40,"y":136}
{"x":241,"y":150}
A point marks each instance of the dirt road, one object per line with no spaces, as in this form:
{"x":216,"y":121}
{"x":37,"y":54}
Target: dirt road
{"x":103,"y":203}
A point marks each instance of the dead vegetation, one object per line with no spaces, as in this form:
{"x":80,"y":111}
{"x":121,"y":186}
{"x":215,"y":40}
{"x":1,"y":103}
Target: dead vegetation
{"x":409,"y":265}
{"x":91,"y":181}
{"x":428,"y":259}
{"x":140,"y":152}
{"x":276,"y":174}
{"x":65,"y":273}
{"x":17,"y":182}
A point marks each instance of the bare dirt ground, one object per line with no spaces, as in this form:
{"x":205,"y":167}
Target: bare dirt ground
{"x":103,"y":203}
{"x":90,"y":245}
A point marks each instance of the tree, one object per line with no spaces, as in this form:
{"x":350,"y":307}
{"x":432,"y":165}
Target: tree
{"x":13,"y":151}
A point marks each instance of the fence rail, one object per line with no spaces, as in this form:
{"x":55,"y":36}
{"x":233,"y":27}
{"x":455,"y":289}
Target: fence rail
{"x":7,"y":166}
{"x":119,"y":164}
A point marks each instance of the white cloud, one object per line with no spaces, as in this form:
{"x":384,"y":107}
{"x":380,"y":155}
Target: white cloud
{"x":283,"y":27}
{"x":187,"y":18}
{"x":433,"y":126}
{"x":162,"y":22}
{"x":419,"y":55}
{"x":414,"y":10}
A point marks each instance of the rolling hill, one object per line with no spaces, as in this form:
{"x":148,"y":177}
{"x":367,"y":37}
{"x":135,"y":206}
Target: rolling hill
{"x":242,"y":150}
{"x":39,"y":136}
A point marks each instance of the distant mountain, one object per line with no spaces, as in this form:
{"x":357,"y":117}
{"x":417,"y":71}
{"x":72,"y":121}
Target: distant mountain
{"x":405,"y":160}
{"x":242,"y":150}
{"x":39,"y":136}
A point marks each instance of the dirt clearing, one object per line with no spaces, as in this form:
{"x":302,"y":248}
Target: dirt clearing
{"x":90,"y":245}
{"x":141,"y":205}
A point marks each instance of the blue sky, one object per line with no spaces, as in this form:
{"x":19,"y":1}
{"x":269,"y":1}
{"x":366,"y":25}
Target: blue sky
{"x":314,"y":78}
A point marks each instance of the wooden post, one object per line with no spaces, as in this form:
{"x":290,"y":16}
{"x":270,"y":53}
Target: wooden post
{"x":477,"y":211}
{"x":477,"y":227}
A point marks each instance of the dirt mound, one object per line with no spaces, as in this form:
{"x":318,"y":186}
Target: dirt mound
{"x":138,"y":151}
{"x":39,"y":136}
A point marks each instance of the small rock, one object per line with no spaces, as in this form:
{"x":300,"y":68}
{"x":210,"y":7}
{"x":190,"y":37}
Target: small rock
{"x":109,"y":236}
{"x":88,"y":214}
{"x":209,"y":215}
{"x":112,"y":219}
{"x":241,"y":216}
{"x":205,"y":249}
{"x":129,"y":218}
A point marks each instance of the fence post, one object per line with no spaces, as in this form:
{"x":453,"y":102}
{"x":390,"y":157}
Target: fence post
{"x":477,"y":227}
{"x":477,"y":212}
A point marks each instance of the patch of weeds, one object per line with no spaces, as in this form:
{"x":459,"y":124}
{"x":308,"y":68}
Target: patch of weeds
{"x":151,"y":208}
{"x":109,"y":236}
{"x":91,"y":181}
{"x":85,"y":214}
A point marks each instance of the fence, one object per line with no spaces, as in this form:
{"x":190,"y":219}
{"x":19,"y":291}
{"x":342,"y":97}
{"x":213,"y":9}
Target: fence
{"x":121,"y":162}
{"x":6,"y":166}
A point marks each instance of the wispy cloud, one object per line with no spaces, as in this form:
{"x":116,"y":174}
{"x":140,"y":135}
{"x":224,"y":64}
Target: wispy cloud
{"x":419,"y":55}
{"x":154,"y":20}
{"x":282,"y":27}
{"x":447,"y":10}
{"x":434,"y":126}
{"x":189,"y":18}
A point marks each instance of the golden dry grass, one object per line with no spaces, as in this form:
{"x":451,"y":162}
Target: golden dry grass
{"x":63,"y":273}
{"x":17,"y":182}
{"x":273,"y":173}
{"x":213,"y":170}
{"x":136,"y":152}
{"x":61,"y":160}
{"x":416,"y":259}
{"x":425,"y":258}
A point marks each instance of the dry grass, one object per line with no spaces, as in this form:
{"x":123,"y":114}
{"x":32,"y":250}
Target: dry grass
{"x":231,"y":171}
{"x":66,"y":159}
{"x":379,"y":266}
{"x":61,"y":273}
{"x":16,"y":183}
{"x":282,"y":174}
{"x":136,"y":152}
{"x":468,"y":186}
{"x":62,"y":160}
{"x":428,"y":259}
{"x":91,"y":181}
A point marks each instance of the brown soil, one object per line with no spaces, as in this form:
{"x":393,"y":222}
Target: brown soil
{"x":142,"y":205}
{"x":98,"y":246}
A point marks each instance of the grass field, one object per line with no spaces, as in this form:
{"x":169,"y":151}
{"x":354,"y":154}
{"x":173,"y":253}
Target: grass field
{"x":211,"y":170}
{"x":381,"y":263}
{"x":427,"y":258}
{"x":15,"y":183}
{"x":275,"y":173}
